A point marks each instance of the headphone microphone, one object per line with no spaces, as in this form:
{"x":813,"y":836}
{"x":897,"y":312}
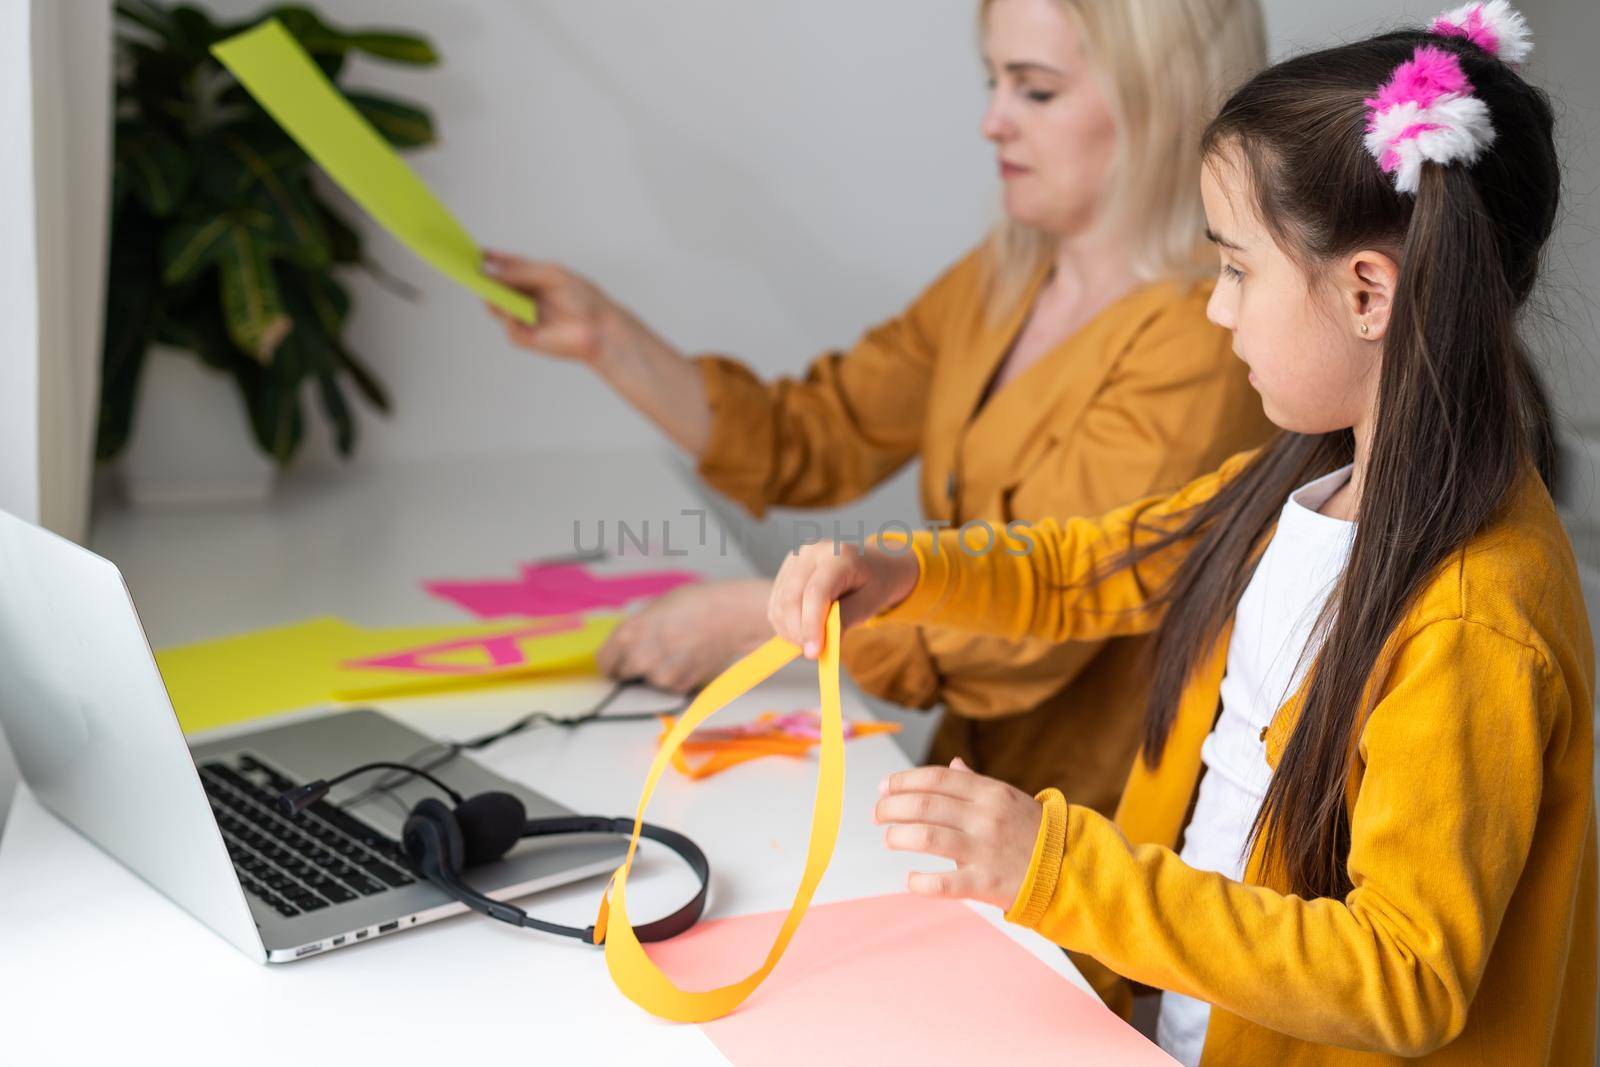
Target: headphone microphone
{"x":442,"y":842}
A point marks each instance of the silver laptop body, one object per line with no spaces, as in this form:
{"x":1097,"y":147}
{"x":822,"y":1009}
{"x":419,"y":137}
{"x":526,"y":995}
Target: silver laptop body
{"x":96,"y":739}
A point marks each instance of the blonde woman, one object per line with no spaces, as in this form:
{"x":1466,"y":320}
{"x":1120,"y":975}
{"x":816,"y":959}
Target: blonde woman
{"x":1063,"y":367}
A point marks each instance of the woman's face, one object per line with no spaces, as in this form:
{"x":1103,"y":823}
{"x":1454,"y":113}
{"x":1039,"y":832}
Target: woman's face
{"x":1048,"y":119}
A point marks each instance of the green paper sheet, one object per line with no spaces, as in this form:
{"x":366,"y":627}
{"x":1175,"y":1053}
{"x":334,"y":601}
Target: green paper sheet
{"x":270,"y":63}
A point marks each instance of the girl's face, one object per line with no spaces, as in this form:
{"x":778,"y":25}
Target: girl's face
{"x":1314,"y":368}
{"x":1051,"y":127}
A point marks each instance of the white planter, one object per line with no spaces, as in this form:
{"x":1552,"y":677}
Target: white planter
{"x":191,"y":440}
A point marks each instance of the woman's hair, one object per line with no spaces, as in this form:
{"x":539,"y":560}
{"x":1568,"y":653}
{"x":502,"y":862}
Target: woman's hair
{"x":1461,"y":415}
{"x":1163,"y":65}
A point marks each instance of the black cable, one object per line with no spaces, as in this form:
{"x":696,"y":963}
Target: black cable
{"x":452,"y":749}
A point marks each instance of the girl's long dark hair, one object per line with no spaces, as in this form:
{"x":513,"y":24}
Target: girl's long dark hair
{"x":1461,"y":414}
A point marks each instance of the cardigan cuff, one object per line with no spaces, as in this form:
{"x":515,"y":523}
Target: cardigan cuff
{"x":935,"y":580}
{"x":1044,"y":870}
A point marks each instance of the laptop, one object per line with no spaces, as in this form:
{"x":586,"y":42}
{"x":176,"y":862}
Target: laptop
{"x":96,"y":739}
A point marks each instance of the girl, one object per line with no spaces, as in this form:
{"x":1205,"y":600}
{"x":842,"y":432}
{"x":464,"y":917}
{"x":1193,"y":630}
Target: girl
{"x":1399,"y":859}
{"x":1064,"y":366}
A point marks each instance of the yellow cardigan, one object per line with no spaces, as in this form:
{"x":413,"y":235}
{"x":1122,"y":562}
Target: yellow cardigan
{"x":1470,"y":934}
{"x":1141,"y":399}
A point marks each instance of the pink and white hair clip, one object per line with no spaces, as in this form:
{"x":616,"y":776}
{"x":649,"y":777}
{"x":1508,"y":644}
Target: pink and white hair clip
{"x":1426,"y":112}
{"x":1494,"y":26}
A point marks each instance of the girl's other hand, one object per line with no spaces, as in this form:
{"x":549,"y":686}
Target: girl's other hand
{"x":986,"y":826}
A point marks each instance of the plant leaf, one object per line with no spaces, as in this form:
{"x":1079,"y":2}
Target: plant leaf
{"x":395,"y":47}
{"x":286,"y":198}
{"x":196,"y":324}
{"x":222,"y":178}
{"x":338,"y":412}
{"x":272,"y":398}
{"x":193,"y":30}
{"x":158,"y":170}
{"x":251,"y":300}
{"x":144,"y":14}
{"x":133,"y":308}
{"x":401,"y":124}
{"x":190,"y":246}
{"x":342,"y":237}
{"x":329,"y":304}
{"x":366,"y":381}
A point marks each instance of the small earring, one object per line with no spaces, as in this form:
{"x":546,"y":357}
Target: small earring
{"x":1363,"y":329}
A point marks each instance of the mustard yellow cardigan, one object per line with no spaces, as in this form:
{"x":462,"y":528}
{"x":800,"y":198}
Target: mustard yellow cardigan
{"x":1141,"y":399}
{"x":1470,"y":934}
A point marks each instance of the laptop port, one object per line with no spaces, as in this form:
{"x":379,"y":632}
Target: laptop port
{"x":361,"y":933}
{"x":386,"y":927}
{"x":338,"y":941}
{"x":306,"y":950}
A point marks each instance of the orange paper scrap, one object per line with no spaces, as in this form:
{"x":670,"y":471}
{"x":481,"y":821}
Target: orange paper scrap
{"x":771,"y":734}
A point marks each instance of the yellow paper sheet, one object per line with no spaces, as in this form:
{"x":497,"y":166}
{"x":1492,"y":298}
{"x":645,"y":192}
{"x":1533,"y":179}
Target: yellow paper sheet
{"x":571,"y":650}
{"x":302,"y":665}
{"x":634,"y":972}
{"x":272,"y":66}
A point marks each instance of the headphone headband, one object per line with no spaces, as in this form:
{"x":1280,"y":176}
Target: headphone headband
{"x":433,"y":842}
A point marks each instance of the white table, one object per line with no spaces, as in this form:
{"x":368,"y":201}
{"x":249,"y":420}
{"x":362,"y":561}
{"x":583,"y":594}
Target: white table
{"x":95,"y":965}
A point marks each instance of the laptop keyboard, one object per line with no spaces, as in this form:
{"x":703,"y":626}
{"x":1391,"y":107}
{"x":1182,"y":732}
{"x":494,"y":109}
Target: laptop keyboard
{"x":319,"y":857}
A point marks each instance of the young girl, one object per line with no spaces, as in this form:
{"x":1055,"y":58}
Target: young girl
{"x":1361,"y":827}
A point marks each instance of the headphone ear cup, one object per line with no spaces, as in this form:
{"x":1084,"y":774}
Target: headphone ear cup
{"x":490,"y":823}
{"x":432,"y":838}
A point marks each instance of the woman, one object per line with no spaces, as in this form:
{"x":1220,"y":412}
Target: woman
{"x":1065,"y":366}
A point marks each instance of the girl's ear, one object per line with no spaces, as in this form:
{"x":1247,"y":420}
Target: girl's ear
{"x":1366,"y":287}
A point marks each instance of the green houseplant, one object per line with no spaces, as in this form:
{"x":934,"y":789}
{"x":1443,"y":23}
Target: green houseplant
{"x":221,"y":244}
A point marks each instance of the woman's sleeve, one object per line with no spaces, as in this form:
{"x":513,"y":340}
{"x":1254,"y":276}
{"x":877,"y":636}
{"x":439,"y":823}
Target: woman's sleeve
{"x":1453,"y":771}
{"x":1038,"y":580}
{"x":854,"y":419}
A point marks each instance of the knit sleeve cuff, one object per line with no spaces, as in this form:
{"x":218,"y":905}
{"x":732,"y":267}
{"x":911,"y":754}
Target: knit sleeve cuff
{"x":934,"y":578}
{"x":1044,"y":870}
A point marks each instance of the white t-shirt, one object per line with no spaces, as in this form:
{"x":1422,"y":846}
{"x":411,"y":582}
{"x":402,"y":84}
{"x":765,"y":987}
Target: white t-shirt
{"x":1297,"y":571}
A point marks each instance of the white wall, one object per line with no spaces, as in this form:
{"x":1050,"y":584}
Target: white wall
{"x":1563,"y":62}
{"x":761,"y":178}
{"x":19,"y":377}
{"x":55,"y":87}
{"x":765,"y":179}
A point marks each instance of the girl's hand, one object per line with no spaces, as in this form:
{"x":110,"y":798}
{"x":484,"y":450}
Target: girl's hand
{"x":576,"y":320}
{"x":683,"y":639}
{"x":812,"y":578}
{"x":987,"y":827}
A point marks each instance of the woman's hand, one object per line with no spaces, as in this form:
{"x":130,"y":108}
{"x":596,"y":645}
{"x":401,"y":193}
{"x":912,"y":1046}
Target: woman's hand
{"x":576,"y":319}
{"x":684,"y":639}
{"x":863,"y":582}
{"x":986,"y":826}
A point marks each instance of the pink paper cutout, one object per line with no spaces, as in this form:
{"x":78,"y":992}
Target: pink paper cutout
{"x":556,"y":589}
{"x":502,"y":648}
{"x":896,"y":979}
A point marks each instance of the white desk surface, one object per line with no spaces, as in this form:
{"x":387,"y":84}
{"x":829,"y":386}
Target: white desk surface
{"x":95,"y":965}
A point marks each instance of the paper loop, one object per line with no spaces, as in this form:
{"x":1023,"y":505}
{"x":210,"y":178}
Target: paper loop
{"x":635,"y":974}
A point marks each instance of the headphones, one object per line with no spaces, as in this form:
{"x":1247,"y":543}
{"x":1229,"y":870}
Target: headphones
{"x":441,"y":842}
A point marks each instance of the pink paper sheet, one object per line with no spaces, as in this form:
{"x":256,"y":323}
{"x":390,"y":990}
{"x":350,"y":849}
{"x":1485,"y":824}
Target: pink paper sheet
{"x":556,"y":589}
{"x":897,"y":979}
